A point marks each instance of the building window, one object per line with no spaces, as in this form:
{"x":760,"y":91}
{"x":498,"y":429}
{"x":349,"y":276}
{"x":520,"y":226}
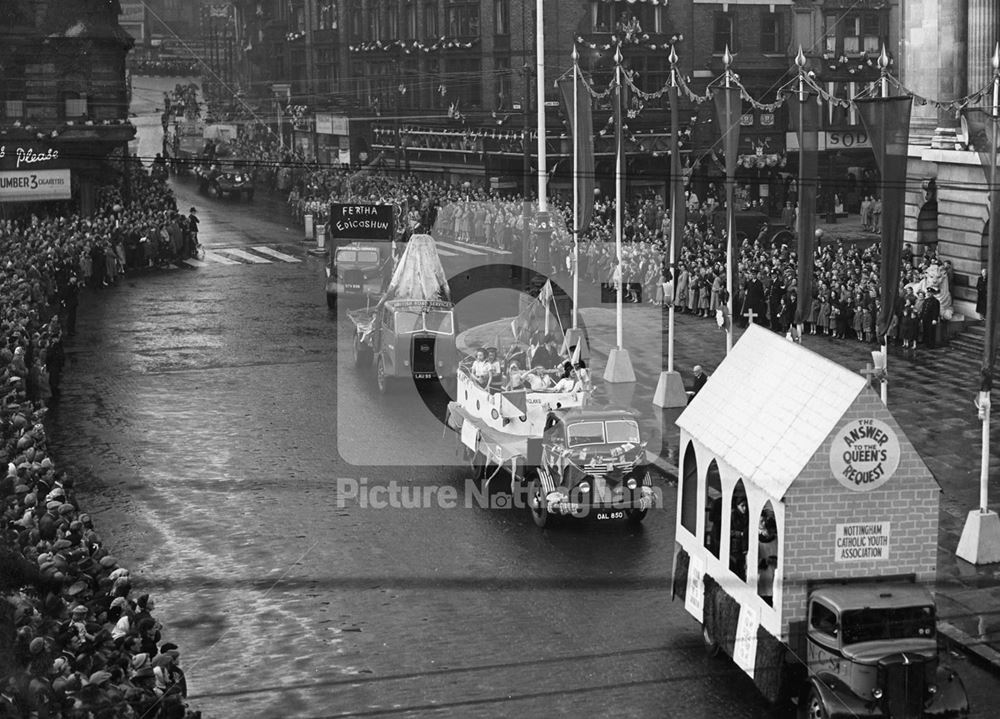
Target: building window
{"x":463,"y":19}
{"x":723,"y":35}
{"x":464,"y":82}
{"x":601,"y":16}
{"x":391,"y":26}
{"x":430,"y":20}
{"x":327,"y":15}
{"x":374,"y":29}
{"x":501,"y":17}
{"x":356,"y":19}
{"x":852,"y":33}
{"x":410,"y":20}
{"x":771,"y":40}
{"x":503,"y":84}
{"x":299,"y":17}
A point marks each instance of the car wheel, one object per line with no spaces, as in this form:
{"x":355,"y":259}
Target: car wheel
{"x":536,"y":503}
{"x":362,"y":354}
{"x":711,"y":646}
{"x":635,"y":516}
{"x":815,"y":708}
{"x":331,"y":301}
{"x":383,"y":381}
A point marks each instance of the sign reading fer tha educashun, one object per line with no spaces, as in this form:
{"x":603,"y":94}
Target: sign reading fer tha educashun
{"x":350,"y":223}
{"x":864,"y":454}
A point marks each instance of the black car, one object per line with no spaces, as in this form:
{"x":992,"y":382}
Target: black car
{"x":226,"y":178}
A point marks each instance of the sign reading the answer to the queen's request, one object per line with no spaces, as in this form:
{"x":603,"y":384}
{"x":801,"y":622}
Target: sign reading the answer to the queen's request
{"x":32,"y":185}
{"x":864,"y":454}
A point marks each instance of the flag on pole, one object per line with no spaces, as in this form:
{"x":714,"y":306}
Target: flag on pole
{"x":984,"y":133}
{"x":580,"y":120}
{"x":677,"y":209}
{"x":887,"y":121}
{"x":575,"y":359}
{"x":805,"y":123}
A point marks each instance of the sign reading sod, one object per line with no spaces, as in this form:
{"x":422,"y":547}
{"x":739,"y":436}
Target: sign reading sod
{"x":351,"y":223}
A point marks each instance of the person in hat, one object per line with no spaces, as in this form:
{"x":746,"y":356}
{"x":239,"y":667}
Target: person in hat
{"x":193,"y":231}
{"x":930,"y":315}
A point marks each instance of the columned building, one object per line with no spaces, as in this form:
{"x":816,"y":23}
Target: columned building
{"x":946,"y":56}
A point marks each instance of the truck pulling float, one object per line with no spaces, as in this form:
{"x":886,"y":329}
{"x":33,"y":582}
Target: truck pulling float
{"x":806,"y":533}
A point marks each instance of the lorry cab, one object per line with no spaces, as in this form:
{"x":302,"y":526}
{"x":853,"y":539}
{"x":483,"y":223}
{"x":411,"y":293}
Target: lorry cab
{"x":415,"y":338}
{"x":357,"y":270}
{"x":872,"y":651}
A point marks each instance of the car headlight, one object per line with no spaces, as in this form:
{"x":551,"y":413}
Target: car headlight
{"x":631,"y":483}
{"x":583,"y":487}
{"x":877,"y":693}
{"x":932,"y":689}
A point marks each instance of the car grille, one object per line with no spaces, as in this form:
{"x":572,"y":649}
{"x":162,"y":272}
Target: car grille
{"x":423,"y":355}
{"x":354,"y":277}
{"x":902,"y":678}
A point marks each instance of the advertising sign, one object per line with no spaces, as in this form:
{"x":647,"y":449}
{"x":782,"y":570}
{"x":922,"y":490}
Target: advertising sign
{"x":34,"y":185}
{"x":361,"y":222}
{"x":745,"y":646}
{"x":694,"y":595}
{"x":837,"y":140}
{"x":28,"y":155}
{"x":864,"y":454}
{"x":327,"y":124}
{"x":863,"y":540}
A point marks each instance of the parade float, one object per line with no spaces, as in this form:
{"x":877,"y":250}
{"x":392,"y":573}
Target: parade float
{"x":806,"y":535}
{"x":562,"y":454}
{"x":409,"y":333}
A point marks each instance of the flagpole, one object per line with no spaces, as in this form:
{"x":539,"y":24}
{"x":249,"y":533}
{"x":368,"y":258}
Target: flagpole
{"x":730,"y":217}
{"x":800,"y":63}
{"x":577,"y":215}
{"x":883,"y":63}
{"x":619,"y":317}
{"x":543,"y":206}
{"x":980,"y":539}
{"x":619,"y":368}
{"x":670,"y":387}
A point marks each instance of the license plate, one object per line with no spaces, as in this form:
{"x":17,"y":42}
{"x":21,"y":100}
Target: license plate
{"x":352,"y":286}
{"x":423,"y":375}
{"x":618,"y":514}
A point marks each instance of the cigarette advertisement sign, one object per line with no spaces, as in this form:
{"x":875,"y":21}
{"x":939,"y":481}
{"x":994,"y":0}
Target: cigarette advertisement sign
{"x":34,"y":185}
{"x":864,"y":454}
{"x":863,"y":540}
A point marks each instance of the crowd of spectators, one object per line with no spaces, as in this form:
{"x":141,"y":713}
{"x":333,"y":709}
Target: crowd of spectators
{"x":76,"y":641}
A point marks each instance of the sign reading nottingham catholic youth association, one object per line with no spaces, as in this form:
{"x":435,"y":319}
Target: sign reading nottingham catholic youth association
{"x":864,"y":454}
{"x":361,"y":222}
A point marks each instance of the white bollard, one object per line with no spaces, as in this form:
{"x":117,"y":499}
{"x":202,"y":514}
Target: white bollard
{"x":309,"y":228}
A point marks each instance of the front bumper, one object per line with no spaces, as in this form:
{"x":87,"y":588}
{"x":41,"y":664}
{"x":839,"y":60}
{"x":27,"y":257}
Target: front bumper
{"x":641,"y":498}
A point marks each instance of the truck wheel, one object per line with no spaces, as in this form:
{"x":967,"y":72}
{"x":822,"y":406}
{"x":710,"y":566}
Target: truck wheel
{"x":536,"y":503}
{"x":383,"y":381}
{"x":815,"y":708}
{"x":711,"y":646}
{"x":635,"y":516}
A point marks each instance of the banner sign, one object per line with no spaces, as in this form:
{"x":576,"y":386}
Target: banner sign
{"x":33,"y":185}
{"x":861,"y":541}
{"x":361,"y":222}
{"x":27,"y":155}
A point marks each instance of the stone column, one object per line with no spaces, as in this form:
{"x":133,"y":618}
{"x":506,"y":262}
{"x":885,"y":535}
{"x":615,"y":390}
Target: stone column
{"x":982,"y":33}
{"x":952,"y":53}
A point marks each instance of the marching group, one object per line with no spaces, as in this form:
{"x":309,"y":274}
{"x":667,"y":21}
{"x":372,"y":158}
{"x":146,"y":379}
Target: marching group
{"x":85,"y":644}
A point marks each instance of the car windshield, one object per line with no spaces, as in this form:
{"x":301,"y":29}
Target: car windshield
{"x":872,"y":625}
{"x":347,"y":256}
{"x":585,"y":433}
{"x":408,"y":323}
{"x":621,"y":431}
{"x":439,"y":322}
{"x":367,"y":256}
{"x":230,"y":169}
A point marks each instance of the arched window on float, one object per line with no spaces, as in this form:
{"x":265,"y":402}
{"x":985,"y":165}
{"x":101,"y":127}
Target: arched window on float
{"x":767,"y":552}
{"x":713,"y":509}
{"x":739,"y":531}
{"x":689,"y":491}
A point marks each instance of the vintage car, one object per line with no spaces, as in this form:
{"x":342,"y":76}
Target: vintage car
{"x":592,"y":463}
{"x":227,"y":177}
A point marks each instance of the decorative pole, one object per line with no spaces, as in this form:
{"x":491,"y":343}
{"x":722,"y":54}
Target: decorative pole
{"x":670,"y":387}
{"x":577,"y":215}
{"x":882,"y":362}
{"x":727,"y":60}
{"x":980,"y":540}
{"x":800,"y":63}
{"x":543,"y":205}
{"x":619,"y":367}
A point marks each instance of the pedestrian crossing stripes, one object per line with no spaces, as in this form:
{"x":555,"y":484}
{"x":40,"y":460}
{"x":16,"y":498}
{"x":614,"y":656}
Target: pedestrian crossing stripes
{"x":468,"y":249}
{"x":256,"y":255}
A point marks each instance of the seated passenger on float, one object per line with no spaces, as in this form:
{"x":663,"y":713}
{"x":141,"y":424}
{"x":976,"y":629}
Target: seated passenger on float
{"x":523,"y":379}
{"x":570,"y":381}
{"x":491,"y":358}
{"x":481,"y":370}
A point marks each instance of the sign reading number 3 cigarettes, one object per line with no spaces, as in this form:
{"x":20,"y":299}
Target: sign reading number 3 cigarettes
{"x":31,"y":185}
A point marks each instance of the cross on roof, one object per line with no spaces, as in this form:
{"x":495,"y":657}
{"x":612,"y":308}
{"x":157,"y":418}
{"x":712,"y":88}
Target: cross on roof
{"x":750,"y":314}
{"x":870,"y":372}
